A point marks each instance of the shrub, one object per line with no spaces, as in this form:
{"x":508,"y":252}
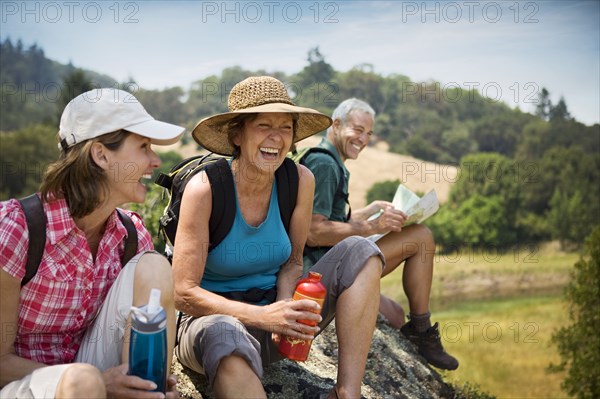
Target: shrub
{"x":579,"y":343}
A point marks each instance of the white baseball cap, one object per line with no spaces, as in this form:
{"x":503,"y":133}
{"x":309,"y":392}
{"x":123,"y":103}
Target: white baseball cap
{"x":101,"y":111}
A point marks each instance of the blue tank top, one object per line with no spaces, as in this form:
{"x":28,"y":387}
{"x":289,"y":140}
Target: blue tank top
{"x":249,"y":257}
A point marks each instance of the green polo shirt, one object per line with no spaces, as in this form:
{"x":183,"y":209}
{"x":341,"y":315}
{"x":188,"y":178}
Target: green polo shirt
{"x":328,"y":173}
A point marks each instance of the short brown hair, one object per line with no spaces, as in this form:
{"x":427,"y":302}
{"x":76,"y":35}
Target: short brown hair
{"x":77,"y":178}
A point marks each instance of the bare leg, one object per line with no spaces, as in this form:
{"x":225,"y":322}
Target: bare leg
{"x":416,"y":246}
{"x":356,"y":313}
{"x":392,"y":311}
{"x":236,"y":379}
{"x":81,"y":381}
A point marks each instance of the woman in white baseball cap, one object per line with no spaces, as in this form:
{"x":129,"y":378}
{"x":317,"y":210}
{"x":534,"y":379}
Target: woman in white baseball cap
{"x":95,"y":261}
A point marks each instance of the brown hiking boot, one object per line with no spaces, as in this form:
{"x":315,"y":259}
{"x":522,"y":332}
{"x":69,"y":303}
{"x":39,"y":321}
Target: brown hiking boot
{"x":429,"y":345}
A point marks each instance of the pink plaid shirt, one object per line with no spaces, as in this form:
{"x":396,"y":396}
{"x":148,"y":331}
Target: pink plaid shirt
{"x":61,"y":301}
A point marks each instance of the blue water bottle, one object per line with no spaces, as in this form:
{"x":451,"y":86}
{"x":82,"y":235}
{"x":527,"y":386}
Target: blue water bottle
{"x":148,"y":345}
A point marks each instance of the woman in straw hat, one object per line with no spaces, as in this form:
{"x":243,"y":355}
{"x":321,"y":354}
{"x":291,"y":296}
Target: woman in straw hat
{"x":65,"y":326}
{"x":230,"y":340}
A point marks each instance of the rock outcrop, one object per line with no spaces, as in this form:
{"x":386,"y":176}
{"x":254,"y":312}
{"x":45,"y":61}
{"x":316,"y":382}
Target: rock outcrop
{"x":394,"y":370}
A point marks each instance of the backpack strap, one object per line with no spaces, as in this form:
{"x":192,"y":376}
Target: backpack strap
{"x":339,"y":191}
{"x":223,"y":201}
{"x":310,"y":252}
{"x":131,"y":241}
{"x":287,"y":190}
{"x":223,"y":194}
{"x":36,"y":225}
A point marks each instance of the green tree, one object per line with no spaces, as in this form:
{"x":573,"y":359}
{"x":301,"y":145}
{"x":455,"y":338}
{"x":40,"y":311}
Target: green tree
{"x":567,"y":218}
{"x":165,"y":105}
{"x":317,"y":70}
{"x":361,"y":82}
{"x":488,"y":184}
{"x":443,"y":225}
{"x":384,"y":191}
{"x":579,"y":343}
{"x":153,"y":207}
{"x":560,"y":112}
{"x":544,"y":105}
{"x":24,"y":156}
{"x":208,"y":96}
{"x":74,"y":84}
{"x":562,"y":187}
{"x":168,"y":160}
{"x":151,"y":211}
{"x":314,"y":85}
{"x":480,"y":221}
{"x":420,"y":148}
{"x":529,"y":146}
{"x":457,"y":143}
{"x":404,"y":124}
{"x":488,"y":174}
{"x":32,"y":86}
{"x":500,"y":132}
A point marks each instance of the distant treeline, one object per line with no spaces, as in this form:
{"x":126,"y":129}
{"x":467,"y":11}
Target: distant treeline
{"x":524,"y":177}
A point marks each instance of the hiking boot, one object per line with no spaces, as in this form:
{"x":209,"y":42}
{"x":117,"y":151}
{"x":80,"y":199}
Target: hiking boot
{"x":429,"y":346}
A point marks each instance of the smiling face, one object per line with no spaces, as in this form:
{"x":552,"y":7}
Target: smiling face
{"x":133,"y":161}
{"x":351,"y":137}
{"x":265,"y":140}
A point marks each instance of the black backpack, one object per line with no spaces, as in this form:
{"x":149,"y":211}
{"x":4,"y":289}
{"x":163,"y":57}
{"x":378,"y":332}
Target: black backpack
{"x":36,"y":225}
{"x":223,"y":194}
{"x":299,"y":156}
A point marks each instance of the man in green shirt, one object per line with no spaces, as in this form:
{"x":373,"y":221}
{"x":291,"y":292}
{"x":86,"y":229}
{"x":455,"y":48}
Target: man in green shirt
{"x":332,"y":221}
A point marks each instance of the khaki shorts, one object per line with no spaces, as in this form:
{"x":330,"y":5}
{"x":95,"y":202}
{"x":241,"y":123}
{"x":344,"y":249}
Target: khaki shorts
{"x":204,"y":341}
{"x":101,"y":346}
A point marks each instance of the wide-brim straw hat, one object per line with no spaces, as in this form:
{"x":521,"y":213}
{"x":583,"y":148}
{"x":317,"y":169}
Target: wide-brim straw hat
{"x":252,"y":95}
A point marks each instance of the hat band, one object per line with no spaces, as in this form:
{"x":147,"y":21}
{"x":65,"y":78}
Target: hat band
{"x":251,"y":104}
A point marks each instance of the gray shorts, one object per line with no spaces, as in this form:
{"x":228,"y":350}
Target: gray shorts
{"x":204,"y":341}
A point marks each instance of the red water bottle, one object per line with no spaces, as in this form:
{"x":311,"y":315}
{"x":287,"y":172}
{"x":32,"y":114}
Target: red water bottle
{"x":307,"y":288}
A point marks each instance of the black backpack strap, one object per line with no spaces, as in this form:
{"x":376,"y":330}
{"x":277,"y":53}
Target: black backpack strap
{"x":287,"y":190}
{"x":339,"y":191}
{"x":131,"y":241}
{"x":36,"y":225}
{"x":223,"y":201}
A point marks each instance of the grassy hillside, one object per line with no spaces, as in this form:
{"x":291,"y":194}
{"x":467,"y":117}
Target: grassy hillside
{"x":497,"y":312}
{"x":504,"y":345}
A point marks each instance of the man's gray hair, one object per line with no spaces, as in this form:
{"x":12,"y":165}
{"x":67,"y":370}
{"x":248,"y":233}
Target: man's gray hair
{"x":343,"y":110}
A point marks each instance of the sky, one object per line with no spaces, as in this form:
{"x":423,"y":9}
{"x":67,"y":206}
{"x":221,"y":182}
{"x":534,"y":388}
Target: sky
{"x":507,"y":50}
